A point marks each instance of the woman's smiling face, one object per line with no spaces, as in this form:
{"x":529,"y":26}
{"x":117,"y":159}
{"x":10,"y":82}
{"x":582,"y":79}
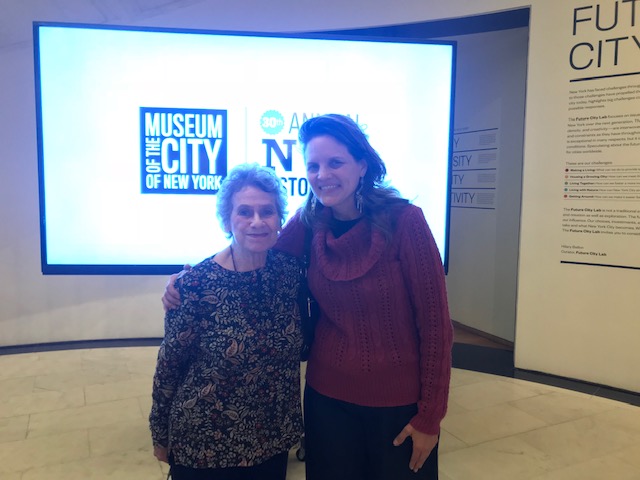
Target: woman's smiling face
{"x":334,"y":175}
{"x":254,"y":221}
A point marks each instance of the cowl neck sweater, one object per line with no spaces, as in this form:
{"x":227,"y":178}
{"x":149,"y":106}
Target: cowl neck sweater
{"x":349,"y":256}
{"x":384,"y":335}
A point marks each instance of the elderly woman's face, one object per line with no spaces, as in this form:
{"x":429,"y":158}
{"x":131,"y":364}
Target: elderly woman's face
{"x":254,"y":221}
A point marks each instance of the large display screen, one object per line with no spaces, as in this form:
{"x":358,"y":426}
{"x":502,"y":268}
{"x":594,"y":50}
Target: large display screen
{"x":137,"y":128}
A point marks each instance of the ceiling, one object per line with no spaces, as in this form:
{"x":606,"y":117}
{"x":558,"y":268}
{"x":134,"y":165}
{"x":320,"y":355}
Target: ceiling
{"x":17,"y":16}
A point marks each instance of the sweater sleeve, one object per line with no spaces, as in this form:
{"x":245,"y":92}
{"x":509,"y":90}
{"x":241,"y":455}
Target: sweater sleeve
{"x":424,"y":274}
{"x":173,"y":359}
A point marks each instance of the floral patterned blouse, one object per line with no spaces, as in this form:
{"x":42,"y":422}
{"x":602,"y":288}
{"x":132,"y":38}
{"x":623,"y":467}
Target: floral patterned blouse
{"x":226,"y":391}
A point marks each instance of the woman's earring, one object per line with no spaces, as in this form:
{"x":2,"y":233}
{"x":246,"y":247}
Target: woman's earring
{"x":313,"y":204}
{"x":358,"y":195}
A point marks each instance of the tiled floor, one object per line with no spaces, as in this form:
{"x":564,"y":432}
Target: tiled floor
{"x":82,"y":414}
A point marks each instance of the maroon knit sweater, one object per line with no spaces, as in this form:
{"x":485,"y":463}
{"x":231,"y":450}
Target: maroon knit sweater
{"x":384,"y":334}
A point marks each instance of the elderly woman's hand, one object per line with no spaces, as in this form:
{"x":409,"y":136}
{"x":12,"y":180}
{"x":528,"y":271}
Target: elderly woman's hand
{"x":161,"y":453}
{"x":171,"y":297}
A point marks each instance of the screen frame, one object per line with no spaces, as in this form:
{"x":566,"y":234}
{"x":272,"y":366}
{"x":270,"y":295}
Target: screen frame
{"x":164,"y":269}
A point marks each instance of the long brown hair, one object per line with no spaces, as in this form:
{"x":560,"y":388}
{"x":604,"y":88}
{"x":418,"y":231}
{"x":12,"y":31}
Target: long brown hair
{"x":380,"y":200}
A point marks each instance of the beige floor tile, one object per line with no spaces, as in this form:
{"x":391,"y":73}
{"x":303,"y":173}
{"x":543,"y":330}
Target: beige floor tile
{"x":142,"y":354}
{"x":110,"y":356}
{"x":140,"y":370}
{"x":143,"y":376}
{"x":545,"y":389}
{"x":504,"y":459}
{"x":539,"y":388}
{"x":32,"y":364}
{"x":630,"y":455}
{"x":449,"y":443}
{"x":46,"y":450}
{"x":96,"y":375}
{"x":145,"y":403}
{"x":597,"y":469}
{"x":134,"y":360}
{"x":124,"y":466}
{"x":486,"y":394}
{"x":622,"y":419}
{"x":144,"y":362}
{"x":461,"y":377}
{"x":490,"y":423}
{"x":557,"y":407}
{"x":581,"y":440}
{"x":624,"y":405}
{"x":118,"y":390}
{"x":11,"y":387}
{"x":454,"y":408}
{"x":12,"y":476}
{"x":99,"y":415}
{"x":13,"y":428}
{"x":295,"y":469}
{"x":496,"y":427}
{"x":120,"y":437}
{"x":41,"y":401}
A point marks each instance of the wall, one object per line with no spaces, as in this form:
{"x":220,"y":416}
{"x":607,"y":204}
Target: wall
{"x":575,"y":321}
{"x":483,"y":260}
{"x":572,"y":320}
{"x":43,"y":309}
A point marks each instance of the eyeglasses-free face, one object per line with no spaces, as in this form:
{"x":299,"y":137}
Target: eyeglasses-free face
{"x":254,"y":221}
{"x":334,"y":175}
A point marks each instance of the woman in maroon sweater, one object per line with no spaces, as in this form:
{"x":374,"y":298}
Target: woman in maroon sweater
{"x":380,"y":364}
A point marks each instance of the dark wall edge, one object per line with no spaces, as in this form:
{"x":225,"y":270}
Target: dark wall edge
{"x":489,"y":22}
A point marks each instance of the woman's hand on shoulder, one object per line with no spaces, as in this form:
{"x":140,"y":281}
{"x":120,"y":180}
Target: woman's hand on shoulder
{"x":171,"y":298}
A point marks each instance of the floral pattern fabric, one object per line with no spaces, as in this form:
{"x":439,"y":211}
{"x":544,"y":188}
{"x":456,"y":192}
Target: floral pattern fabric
{"x":226,"y":391}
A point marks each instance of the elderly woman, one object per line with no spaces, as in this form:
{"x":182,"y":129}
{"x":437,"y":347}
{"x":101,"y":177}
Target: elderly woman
{"x":226,"y":399}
